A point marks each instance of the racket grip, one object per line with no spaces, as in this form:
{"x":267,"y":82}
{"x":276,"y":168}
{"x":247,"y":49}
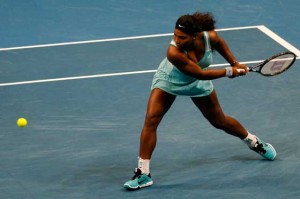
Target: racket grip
{"x":243,"y":70}
{"x":240,"y":70}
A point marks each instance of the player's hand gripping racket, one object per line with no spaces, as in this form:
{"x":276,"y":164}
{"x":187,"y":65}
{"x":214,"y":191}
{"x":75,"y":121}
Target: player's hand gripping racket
{"x":274,"y":65}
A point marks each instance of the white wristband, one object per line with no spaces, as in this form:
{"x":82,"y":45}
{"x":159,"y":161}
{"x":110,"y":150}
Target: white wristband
{"x":229,"y":72}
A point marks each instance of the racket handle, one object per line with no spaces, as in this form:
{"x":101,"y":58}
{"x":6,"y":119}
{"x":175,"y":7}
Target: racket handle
{"x":243,"y":70}
{"x":251,"y":69}
{"x":240,"y":70}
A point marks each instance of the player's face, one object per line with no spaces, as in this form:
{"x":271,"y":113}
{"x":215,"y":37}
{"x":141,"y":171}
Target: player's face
{"x":182,"y":40}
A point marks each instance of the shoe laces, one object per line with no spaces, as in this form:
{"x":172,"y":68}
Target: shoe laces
{"x":137,"y":173}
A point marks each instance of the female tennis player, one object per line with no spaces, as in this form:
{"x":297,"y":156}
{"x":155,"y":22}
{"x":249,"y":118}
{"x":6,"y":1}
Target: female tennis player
{"x":184,"y":72}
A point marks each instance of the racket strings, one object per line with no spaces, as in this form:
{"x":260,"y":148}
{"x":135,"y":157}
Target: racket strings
{"x":277,"y":65}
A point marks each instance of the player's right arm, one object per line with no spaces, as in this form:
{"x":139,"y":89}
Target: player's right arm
{"x":187,"y":66}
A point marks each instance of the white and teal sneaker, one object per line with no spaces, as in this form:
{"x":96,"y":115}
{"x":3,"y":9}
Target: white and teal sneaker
{"x":138,"y":181}
{"x":264,"y":149}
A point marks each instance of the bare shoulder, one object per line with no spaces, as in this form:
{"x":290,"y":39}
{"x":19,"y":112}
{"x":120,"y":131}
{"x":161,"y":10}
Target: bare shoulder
{"x":214,"y":37}
{"x":176,"y":56}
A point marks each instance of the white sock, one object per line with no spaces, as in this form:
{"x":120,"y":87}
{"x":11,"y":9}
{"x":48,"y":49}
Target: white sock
{"x":250,"y":140}
{"x":144,"y":166}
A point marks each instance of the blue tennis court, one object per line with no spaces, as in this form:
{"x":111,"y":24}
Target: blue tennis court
{"x":85,"y":98}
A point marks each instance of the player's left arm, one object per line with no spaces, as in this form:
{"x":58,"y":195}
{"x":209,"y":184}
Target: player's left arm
{"x":219,"y":44}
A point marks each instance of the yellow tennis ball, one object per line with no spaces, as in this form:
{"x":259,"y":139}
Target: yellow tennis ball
{"x":22,"y":122}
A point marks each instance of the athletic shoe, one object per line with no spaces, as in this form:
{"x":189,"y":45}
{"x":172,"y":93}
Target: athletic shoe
{"x":264,"y":149}
{"x":139,"y":180}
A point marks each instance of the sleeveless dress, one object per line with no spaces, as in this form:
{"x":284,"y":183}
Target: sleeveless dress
{"x":171,"y":80}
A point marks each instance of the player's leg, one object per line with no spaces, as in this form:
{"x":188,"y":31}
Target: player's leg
{"x":158,"y":104}
{"x":212,"y":111}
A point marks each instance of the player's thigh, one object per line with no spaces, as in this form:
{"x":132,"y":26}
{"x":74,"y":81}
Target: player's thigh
{"x":158,"y":104}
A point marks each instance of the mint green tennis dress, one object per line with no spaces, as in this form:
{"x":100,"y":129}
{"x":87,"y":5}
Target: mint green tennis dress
{"x":171,"y":80}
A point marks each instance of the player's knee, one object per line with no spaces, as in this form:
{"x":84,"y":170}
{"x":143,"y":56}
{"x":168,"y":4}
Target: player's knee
{"x":152,"y":121}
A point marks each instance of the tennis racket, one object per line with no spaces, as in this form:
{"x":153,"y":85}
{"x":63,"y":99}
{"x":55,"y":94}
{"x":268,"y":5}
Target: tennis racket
{"x":274,"y":65}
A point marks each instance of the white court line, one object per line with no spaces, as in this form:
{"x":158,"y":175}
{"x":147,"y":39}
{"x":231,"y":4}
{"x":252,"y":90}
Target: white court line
{"x":113,"y":39}
{"x":100,"y":75}
{"x":76,"y":77}
{"x":279,"y":40}
{"x":105,"y":75}
{"x":261,"y":27}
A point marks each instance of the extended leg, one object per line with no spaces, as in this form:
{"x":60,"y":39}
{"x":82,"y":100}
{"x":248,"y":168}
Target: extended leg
{"x":211,"y":109}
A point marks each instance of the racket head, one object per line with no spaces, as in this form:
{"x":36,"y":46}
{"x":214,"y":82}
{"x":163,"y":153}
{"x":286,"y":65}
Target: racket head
{"x":277,"y":64}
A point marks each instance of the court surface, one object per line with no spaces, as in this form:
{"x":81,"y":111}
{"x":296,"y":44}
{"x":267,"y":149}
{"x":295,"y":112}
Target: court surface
{"x":85,"y":100}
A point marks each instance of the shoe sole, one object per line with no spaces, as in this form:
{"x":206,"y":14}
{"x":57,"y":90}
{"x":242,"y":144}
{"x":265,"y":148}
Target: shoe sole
{"x":138,"y":187}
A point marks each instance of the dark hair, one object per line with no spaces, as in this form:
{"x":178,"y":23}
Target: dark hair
{"x":197,"y":22}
